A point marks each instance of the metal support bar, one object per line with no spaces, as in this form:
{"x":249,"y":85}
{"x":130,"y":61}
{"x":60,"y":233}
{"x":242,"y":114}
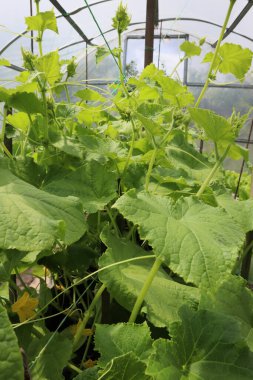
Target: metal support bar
{"x":237,"y":20}
{"x":151,"y":20}
{"x":71,"y":21}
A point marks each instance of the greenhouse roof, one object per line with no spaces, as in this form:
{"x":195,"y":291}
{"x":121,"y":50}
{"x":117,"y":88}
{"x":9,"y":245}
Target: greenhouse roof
{"x":78,"y":22}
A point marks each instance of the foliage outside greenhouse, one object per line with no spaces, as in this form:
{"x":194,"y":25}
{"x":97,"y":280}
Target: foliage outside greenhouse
{"x":143,"y":237}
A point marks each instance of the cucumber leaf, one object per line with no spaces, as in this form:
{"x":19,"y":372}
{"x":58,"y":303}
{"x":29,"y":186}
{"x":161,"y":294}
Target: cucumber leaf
{"x":32,"y":219}
{"x":206,"y":346}
{"x":125,"y":282}
{"x":116,"y":340}
{"x":10,"y":356}
{"x":232,"y":59}
{"x":198,"y":242}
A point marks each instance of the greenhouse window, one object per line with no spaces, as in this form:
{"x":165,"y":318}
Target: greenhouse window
{"x":166,"y":54}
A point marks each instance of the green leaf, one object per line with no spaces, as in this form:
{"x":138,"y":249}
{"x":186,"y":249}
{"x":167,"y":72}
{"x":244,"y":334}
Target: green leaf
{"x":183,"y":155}
{"x":240,"y":211}
{"x":216,"y":127}
{"x":26,"y":102}
{"x":125,"y":367}
{"x":125,"y":282}
{"x":197,"y":241}
{"x":90,"y":95}
{"x":231,"y":297}
{"x":88,"y":374}
{"x":101,"y":54}
{"x":66,"y":144}
{"x":150,"y":125}
{"x":232,"y":59}
{"x":32,"y":219}
{"x":93,"y":183}
{"x":237,"y":152}
{"x":10,"y":356}
{"x":116,"y":340}
{"x":8,"y":261}
{"x":190,"y":49}
{"x":172,"y":90}
{"x":49,"y":65}
{"x":19,"y":120}
{"x":99,"y":148}
{"x":42,"y":21}
{"x":204,"y":346}
{"x":41,"y":352}
{"x":4,"y":62}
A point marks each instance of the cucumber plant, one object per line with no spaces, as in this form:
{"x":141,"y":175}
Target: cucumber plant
{"x":106,"y":194}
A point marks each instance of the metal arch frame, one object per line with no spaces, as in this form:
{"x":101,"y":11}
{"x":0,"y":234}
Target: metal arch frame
{"x":238,"y":19}
{"x":58,"y":6}
{"x":59,"y":16}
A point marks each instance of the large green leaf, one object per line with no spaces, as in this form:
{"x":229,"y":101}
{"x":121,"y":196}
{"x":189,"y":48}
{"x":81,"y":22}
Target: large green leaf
{"x":26,"y":102}
{"x":197,"y":241}
{"x":8,"y":261}
{"x":183,"y":155}
{"x":49,"y":65}
{"x":10,"y":356}
{"x":90,"y":95}
{"x":125,"y":367}
{"x":98,"y":148}
{"x":42,"y":21}
{"x":93,"y":183}
{"x":241,"y":211}
{"x":32,"y":219}
{"x":66,"y":144}
{"x":204,"y":346}
{"x":48,"y":356}
{"x":216,"y":127}
{"x":19,"y":120}
{"x":116,"y":340}
{"x":172,"y":90}
{"x":125,"y":282}
{"x":88,"y":374}
{"x":232,"y":59}
{"x":232,"y":297}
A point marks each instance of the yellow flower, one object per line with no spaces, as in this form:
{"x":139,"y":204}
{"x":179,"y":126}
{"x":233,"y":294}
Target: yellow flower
{"x":25,"y":306}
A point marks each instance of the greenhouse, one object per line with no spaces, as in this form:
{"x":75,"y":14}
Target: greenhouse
{"x":126,"y":190}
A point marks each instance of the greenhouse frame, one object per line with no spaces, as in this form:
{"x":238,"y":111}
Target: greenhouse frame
{"x":126,"y":190}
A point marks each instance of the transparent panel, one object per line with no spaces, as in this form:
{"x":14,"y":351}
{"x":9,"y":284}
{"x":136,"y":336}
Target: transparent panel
{"x":223,"y":100}
{"x":166,"y":54}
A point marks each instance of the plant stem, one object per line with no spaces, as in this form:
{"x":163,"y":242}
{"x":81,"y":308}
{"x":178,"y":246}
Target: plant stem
{"x":39,"y":39}
{"x":145,"y":289}
{"x":113,"y":221}
{"x":2,"y":144}
{"x":177,"y":66}
{"x":67,"y":93}
{"x":150,"y":167}
{"x":230,"y":8}
{"x":86,"y":318}
{"x":122,"y":79}
{"x":4,"y":122}
{"x":74,"y":368}
{"x":212,"y":173}
{"x":130,"y":152}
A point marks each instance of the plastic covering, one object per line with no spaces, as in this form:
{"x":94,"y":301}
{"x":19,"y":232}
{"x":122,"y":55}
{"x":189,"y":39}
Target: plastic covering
{"x":178,"y":20}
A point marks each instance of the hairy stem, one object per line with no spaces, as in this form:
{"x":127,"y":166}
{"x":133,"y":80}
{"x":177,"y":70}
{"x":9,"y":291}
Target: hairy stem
{"x":86,"y":318}
{"x":209,"y":75}
{"x":212,"y":173}
{"x":150,"y":167}
{"x":145,"y":289}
